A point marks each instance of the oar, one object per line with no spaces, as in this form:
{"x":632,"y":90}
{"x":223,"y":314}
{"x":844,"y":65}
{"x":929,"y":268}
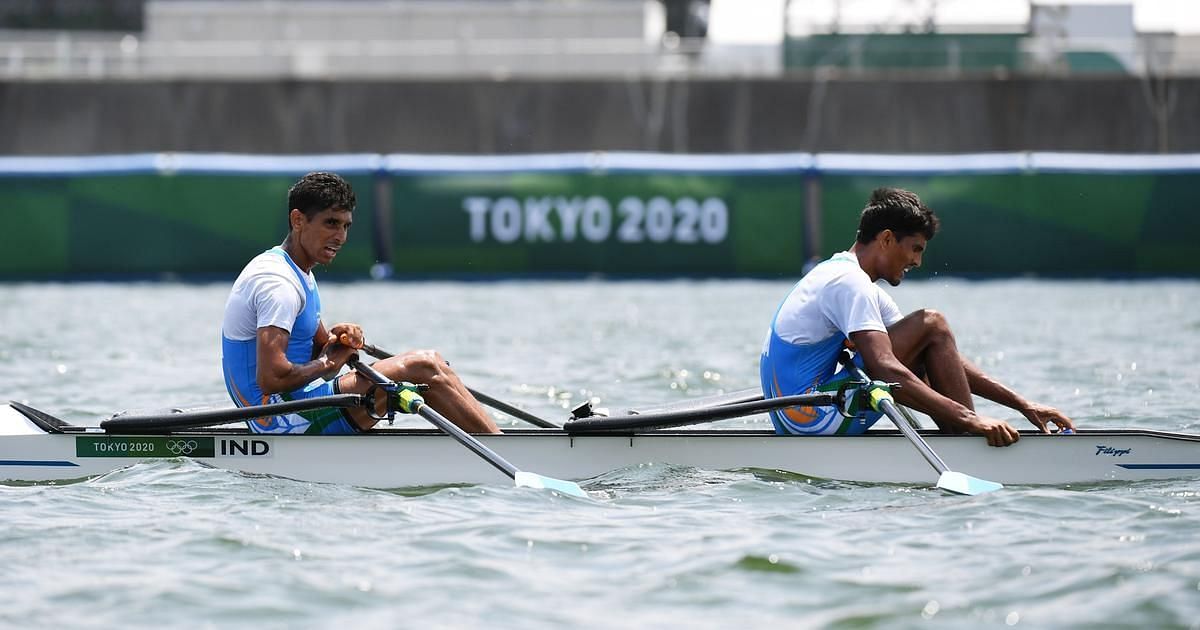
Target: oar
{"x":750,"y":394}
{"x":179,"y":420}
{"x":411,"y":402}
{"x":881,"y":400}
{"x":667,"y":419}
{"x":494,"y":403}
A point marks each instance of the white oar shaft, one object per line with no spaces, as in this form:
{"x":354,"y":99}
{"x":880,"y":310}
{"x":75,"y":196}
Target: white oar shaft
{"x":947,"y":479}
{"x":899,"y":420}
{"x":522,"y":478}
{"x":464,"y":438}
{"x":440,"y":421}
{"x":890,"y":409}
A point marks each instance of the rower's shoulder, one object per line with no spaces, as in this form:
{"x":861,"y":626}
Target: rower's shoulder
{"x":267,"y":265}
{"x":839,"y":271}
{"x":265,"y":275}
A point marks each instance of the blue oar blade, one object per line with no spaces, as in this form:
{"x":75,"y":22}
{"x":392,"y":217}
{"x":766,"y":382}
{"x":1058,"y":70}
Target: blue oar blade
{"x":959,"y":483}
{"x":533,"y":480}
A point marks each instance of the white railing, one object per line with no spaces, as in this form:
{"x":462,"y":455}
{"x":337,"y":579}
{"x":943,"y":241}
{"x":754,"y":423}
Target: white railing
{"x":127,"y":57}
{"x":27,"y":56}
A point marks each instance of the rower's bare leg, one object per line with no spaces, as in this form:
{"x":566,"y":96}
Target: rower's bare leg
{"x":925,"y":344}
{"x":447,"y":393}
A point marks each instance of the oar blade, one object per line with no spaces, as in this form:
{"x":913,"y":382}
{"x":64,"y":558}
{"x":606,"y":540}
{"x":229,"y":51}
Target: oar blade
{"x":534,"y":480}
{"x":959,"y":483}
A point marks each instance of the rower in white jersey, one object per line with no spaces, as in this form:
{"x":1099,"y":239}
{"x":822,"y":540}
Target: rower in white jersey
{"x":837,"y":304}
{"x":275,"y":346}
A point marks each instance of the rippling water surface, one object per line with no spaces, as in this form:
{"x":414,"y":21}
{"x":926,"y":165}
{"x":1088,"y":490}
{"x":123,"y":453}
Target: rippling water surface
{"x":176,"y":543}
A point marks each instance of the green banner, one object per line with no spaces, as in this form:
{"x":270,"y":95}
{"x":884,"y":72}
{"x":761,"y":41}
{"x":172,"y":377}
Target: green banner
{"x":974,"y":51}
{"x":160,"y":215}
{"x":143,"y":447}
{"x":1045,"y":223}
{"x":601,"y":222}
{"x":156,"y":223}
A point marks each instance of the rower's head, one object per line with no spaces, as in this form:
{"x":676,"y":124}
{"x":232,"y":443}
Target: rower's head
{"x":320,"y":211}
{"x":893,"y":231}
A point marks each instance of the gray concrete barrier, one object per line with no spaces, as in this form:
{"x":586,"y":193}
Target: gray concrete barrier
{"x":536,"y":116}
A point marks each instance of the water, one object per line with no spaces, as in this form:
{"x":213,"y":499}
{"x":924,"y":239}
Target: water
{"x":175,"y":543}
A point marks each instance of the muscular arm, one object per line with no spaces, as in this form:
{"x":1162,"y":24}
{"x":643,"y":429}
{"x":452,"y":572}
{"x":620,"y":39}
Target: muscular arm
{"x":881,"y":363}
{"x":983,"y":385}
{"x":319,"y":339}
{"x":277,"y":374}
{"x":344,"y":333}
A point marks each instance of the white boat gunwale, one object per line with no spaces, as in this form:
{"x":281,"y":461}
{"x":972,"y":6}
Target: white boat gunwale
{"x":51,"y":424}
{"x":721,"y":433}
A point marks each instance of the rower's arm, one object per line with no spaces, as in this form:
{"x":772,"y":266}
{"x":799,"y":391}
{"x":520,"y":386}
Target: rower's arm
{"x":320,"y":339}
{"x":983,"y":385}
{"x":346,"y":333}
{"x":987,"y":387}
{"x":881,"y":363}
{"x":277,"y":374}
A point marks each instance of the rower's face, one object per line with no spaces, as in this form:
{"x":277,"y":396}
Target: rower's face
{"x":322,"y":236}
{"x":903,"y":255}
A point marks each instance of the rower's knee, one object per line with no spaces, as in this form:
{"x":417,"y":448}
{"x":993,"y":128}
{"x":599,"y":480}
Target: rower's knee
{"x":425,"y":366}
{"x":935,"y":324}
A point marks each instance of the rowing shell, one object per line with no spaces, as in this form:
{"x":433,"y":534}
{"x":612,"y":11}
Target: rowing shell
{"x":34,"y":446}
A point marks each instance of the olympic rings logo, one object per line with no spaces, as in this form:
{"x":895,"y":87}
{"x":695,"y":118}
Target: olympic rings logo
{"x":182,"y":447}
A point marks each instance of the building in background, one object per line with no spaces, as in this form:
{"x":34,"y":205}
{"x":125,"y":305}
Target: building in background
{"x":522,"y":76}
{"x":1030,"y":38}
{"x":349,"y":39}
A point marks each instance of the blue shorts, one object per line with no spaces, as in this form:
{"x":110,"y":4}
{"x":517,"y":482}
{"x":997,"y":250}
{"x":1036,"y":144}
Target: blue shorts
{"x":823,"y":420}
{"x":326,"y":421}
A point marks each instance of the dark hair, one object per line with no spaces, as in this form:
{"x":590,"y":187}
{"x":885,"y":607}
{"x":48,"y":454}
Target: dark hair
{"x":897,"y":210}
{"x":320,"y":191}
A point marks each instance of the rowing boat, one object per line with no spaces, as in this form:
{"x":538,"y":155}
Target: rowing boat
{"x":37,"y":447}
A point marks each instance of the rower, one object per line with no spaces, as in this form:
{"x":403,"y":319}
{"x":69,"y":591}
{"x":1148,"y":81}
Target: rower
{"x":837,"y":304}
{"x":276,"y":348}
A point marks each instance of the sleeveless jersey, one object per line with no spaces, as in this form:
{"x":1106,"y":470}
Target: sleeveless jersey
{"x":239,"y":358}
{"x":809,"y":329}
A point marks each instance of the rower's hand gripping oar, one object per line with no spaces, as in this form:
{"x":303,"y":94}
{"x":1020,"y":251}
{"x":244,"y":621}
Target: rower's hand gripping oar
{"x":494,"y":403}
{"x":410,"y":401}
{"x":880,"y":397}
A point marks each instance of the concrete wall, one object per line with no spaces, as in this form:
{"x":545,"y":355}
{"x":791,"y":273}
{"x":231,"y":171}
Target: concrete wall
{"x":527,"y":116}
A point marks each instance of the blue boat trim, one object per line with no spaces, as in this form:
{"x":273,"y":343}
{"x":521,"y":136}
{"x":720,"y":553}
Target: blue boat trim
{"x":1159,"y":466}
{"x":34,"y":462}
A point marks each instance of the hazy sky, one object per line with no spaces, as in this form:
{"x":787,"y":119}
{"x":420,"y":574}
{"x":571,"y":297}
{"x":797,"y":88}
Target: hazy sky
{"x":760,"y":21}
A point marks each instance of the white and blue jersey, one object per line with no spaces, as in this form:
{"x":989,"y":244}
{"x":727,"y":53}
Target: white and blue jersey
{"x":273,"y":291}
{"x":809,"y":330}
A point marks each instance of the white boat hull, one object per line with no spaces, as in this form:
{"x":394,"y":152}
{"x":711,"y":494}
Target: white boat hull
{"x":395,"y":458}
